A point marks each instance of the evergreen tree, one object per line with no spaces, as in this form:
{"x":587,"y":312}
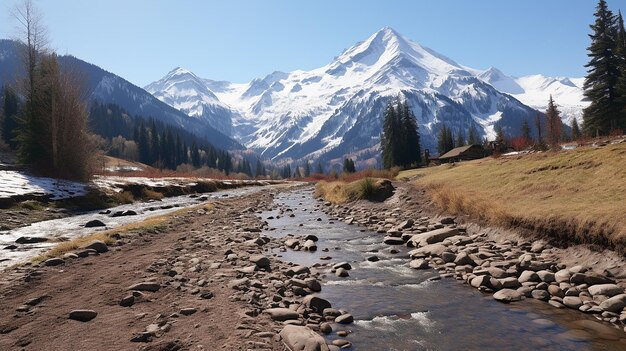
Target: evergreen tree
{"x":297,"y":173}
{"x":472,"y":137}
{"x":348,"y":166}
{"x":526,"y":134}
{"x":195,"y":155}
{"x":600,"y":117}
{"x":620,"y":51}
{"x":319,"y":169}
{"x":576,"y":133}
{"x":553,"y":123}
{"x":538,"y":127}
{"x":499,"y":133}
{"x":9,"y":119}
{"x":307,"y":168}
{"x":460,"y":140}
{"x":390,"y":137}
{"x":409,"y":145}
{"x":442,"y":140}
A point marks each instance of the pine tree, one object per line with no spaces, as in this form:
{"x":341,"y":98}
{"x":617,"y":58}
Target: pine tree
{"x":195,"y":155}
{"x":538,"y":127}
{"x":410,"y":143}
{"x":319,"y":169}
{"x":576,"y":134}
{"x":600,"y":117}
{"x":460,"y":140}
{"x":553,"y":123}
{"x":389,"y":138}
{"x":307,"y":168}
{"x":526,"y":133}
{"x":620,"y":52}
{"x":260,"y":169}
{"x":472,"y":137}
{"x":442,"y":144}
{"x":348,"y":166}
{"x":9,"y":120}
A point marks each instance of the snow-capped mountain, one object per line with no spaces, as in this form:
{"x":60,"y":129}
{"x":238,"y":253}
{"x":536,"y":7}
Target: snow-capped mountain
{"x":337,"y":109}
{"x":535,"y":90}
{"x":185,"y":91}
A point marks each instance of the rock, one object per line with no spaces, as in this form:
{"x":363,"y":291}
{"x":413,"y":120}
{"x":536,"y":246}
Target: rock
{"x":260,"y":261}
{"x":310,"y":245}
{"x":296,"y":270}
{"x":83,"y":315}
{"x":326,"y":328}
{"x":540,"y":295}
{"x":313,"y":284}
{"x":509,"y":283}
{"x":546,"y":276}
{"x":239,"y":284}
{"x":556,"y":291}
{"x":127,"y":301}
{"x":344,"y":265}
{"x":528,"y":276}
{"x":486,"y":281}
{"x":390,"y":240}
{"x":341,"y":272}
{"x":145,"y":286}
{"x":614,"y":304}
{"x":418,"y":264}
{"x":432,"y":237}
{"x":562,"y":276}
{"x":142,"y":337}
{"x":448,"y":257}
{"x":572,"y":302}
{"x":537,"y":247}
{"x":593,"y":278}
{"x":311,"y":237}
{"x":447,"y":220}
{"x":609,"y":290}
{"x":282,"y":314}
{"x":344,"y":319}
{"x":301,"y":338}
{"x":53,"y":262}
{"x":462,"y":259}
{"x":316,"y":304}
{"x":206,"y":295}
{"x":291,"y":243}
{"x":188,"y":311}
{"x":406,"y":224}
{"x":30,"y":240}
{"x":429,"y":250}
{"x":94,"y":223}
{"x":373,"y":259}
{"x":507,"y":295}
{"x":97,"y":245}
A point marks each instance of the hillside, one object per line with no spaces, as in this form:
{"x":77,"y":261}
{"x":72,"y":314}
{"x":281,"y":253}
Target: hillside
{"x":575,"y":196}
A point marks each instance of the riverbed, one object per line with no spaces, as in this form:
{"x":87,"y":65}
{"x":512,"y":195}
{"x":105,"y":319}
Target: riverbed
{"x":398,"y":308}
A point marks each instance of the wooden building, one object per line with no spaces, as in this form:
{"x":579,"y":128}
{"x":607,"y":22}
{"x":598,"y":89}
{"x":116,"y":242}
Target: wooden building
{"x":463,"y":153}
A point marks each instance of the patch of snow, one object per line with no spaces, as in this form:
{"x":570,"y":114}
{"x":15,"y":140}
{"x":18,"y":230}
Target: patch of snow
{"x":14,"y":183}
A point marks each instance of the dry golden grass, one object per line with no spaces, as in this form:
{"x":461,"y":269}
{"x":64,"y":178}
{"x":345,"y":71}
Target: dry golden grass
{"x":339,"y":192}
{"x":577,"y":195}
{"x":108,"y":236}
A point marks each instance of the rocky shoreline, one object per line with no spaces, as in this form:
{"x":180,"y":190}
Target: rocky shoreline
{"x":510,"y":267}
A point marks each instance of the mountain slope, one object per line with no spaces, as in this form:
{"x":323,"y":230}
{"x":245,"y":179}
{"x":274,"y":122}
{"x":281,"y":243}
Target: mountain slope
{"x":535,"y":91}
{"x":337,"y":109}
{"x":107,"y":87}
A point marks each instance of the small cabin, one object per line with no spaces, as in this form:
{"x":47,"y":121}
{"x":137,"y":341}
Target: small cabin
{"x":463,"y":153}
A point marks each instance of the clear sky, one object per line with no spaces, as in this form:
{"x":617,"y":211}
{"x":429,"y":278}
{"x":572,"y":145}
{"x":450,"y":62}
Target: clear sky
{"x":238,"y":40}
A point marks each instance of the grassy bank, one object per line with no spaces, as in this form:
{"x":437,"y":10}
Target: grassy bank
{"x":571,"y":196}
{"x":339,"y":192}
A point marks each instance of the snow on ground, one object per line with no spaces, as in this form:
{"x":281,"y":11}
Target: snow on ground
{"x":13,"y":183}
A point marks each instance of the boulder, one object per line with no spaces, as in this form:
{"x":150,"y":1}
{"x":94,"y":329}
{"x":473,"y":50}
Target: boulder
{"x":614,"y":304}
{"x":344,"y":265}
{"x":282,"y":314}
{"x":463,"y":259}
{"x":310,"y":245}
{"x":418,"y":264}
{"x":609,"y":290}
{"x":30,"y":240}
{"x":546,"y":276}
{"x":391,"y":240}
{"x":429,"y":250}
{"x":315,"y":303}
{"x":97,"y":245}
{"x":345,"y":318}
{"x":53,"y":261}
{"x":528,"y":276}
{"x":95,"y":223}
{"x":432,"y":237}
{"x":507,"y":295}
{"x":83,"y":315}
{"x":261,"y":261}
{"x":297,"y":270}
{"x":572,"y":302}
{"x":300,"y":338}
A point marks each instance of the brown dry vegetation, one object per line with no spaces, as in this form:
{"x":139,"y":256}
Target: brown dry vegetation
{"x":339,"y":192}
{"x":576,"y":196}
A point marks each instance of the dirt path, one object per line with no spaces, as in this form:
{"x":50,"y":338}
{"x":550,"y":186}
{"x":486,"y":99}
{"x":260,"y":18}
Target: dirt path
{"x":186,"y":257}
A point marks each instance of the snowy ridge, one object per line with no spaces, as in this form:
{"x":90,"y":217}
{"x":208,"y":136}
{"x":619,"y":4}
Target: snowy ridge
{"x":336,"y":109}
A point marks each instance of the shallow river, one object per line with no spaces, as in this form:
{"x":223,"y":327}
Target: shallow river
{"x":397,"y":308}
{"x":71,"y":227}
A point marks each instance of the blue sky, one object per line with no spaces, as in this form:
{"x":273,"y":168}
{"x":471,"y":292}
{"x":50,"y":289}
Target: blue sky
{"x":238,"y":40}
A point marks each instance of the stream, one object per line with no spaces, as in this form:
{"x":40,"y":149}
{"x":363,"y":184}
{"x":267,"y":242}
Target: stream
{"x":398,"y":308}
{"x":64,"y":229}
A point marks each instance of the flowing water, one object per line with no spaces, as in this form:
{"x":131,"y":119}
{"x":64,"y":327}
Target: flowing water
{"x":397,"y":308}
{"x":71,"y":227}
